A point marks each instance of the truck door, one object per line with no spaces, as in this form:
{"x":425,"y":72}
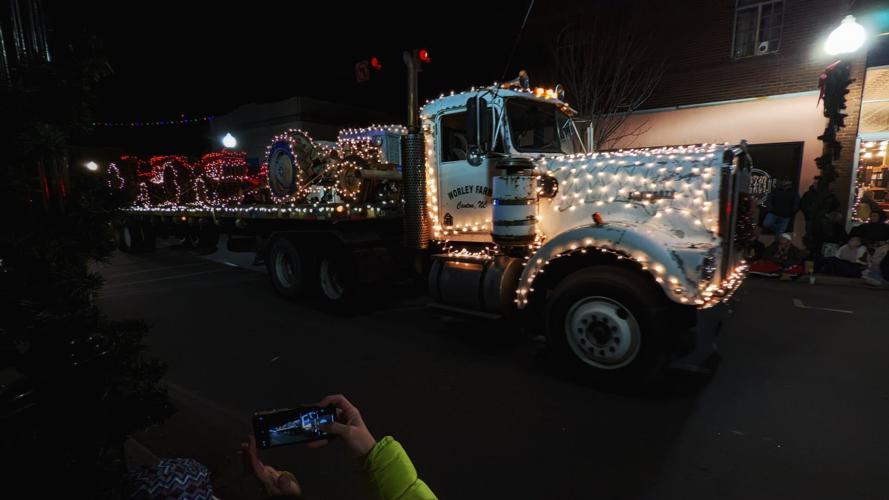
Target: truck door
{"x":464,"y":190}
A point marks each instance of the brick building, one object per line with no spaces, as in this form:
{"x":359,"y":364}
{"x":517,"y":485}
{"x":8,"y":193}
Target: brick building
{"x":748,"y":69}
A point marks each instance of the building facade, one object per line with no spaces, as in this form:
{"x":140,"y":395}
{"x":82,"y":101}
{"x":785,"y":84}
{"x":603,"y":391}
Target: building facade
{"x":255,"y":124}
{"x":750,"y":70}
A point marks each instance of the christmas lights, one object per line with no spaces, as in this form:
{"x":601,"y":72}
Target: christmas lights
{"x":182,"y":120}
{"x":113,"y":179}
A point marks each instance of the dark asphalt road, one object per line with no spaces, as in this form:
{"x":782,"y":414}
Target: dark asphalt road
{"x":798,"y":408}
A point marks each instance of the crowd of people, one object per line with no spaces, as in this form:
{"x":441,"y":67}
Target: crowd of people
{"x":860,"y":253}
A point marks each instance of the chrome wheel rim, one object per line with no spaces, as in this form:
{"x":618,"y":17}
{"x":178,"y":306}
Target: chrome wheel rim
{"x":602,"y":332}
{"x":284,"y":270}
{"x":127,"y":237}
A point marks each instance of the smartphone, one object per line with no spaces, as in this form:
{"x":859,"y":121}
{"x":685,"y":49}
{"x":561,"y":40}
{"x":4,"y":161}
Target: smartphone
{"x":291,"y":426}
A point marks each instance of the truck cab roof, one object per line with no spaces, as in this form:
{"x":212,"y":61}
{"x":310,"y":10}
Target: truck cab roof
{"x":456,"y":100}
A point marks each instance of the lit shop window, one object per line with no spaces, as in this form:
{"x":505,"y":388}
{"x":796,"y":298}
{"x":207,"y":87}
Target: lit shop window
{"x":872,"y":181}
{"x":757,"y":27}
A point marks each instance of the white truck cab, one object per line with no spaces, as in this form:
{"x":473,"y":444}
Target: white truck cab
{"x":610,"y":253}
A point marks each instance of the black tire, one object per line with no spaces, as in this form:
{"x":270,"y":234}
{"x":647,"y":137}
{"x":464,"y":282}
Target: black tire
{"x":203,"y":236}
{"x":291,"y":269}
{"x":338,"y":283}
{"x":620,"y":336}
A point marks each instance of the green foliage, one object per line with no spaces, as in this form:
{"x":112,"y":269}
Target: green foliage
{"x":89,"y":381}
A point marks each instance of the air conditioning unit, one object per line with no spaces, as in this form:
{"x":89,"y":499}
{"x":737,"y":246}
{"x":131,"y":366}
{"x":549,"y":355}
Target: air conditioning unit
{"x":763,"y":48}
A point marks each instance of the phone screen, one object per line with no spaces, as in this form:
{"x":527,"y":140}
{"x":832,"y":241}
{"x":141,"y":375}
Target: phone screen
{"x":291,"y":426}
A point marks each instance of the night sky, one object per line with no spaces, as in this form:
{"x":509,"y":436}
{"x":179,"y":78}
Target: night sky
{"x":173,"y":58}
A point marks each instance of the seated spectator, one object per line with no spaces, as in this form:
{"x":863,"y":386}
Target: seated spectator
{"x":783,"y":252}
{"x":873,"y":230}
{"x":877,"y":272}
{"x":756,"y":248}
{"x":849,"y":261}
{"x":782,"y":257}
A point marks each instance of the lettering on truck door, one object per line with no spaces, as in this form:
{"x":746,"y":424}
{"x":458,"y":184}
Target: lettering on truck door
{"x":464,"y":190}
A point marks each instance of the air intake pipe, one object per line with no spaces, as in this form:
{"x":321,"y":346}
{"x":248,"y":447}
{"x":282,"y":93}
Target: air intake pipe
{"x":413,"y":161}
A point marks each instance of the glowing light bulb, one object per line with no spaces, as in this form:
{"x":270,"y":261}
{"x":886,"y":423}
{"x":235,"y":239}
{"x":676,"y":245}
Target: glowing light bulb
{"x":229,"y":141}
{"x":846,"y":38}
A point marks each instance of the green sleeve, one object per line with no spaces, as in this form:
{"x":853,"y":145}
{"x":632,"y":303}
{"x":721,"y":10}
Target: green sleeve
{"x":392,"y":475}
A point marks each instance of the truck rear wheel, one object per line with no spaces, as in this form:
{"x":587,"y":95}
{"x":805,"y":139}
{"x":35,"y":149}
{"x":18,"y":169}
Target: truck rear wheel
{"x":289,"y":268}
{"x":337,"y":280}
{"x":605,"y":325}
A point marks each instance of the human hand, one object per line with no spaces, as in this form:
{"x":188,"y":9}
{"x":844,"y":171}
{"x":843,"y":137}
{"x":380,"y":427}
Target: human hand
{"x":349,"y":426}
{"x":273,"y":480}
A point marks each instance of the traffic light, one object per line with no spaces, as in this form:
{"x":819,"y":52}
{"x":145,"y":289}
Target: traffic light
{"x":375,"y":63}
{"x":362,"y":72}
{"x":423,"y":56}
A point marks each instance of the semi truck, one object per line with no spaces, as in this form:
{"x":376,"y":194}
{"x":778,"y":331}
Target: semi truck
{"x":624,"y":260}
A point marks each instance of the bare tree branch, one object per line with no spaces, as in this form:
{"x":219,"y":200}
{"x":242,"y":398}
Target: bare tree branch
{"x":608,"y":74}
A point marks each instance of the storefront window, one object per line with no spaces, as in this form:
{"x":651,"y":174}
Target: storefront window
{"x":872,"y":178}
{"x":872,"y":183}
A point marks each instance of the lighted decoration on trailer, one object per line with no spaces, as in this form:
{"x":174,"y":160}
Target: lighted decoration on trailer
{"x":113,"y":179}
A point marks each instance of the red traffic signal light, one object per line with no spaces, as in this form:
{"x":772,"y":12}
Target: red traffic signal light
{"x":423,"y":55}
{"x":375,"y":63}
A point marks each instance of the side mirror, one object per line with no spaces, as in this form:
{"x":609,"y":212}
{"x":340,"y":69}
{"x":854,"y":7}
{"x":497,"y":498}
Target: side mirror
{"x":478,"y":130}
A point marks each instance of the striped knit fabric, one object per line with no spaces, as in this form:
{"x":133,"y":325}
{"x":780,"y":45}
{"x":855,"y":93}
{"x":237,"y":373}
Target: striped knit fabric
{"x":172,"y":478}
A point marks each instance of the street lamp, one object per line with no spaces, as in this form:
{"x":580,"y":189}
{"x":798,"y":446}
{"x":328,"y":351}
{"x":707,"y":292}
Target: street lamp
{"x":848,"y":37}
{"x":92,"y":166}
{"x":229,"y":141}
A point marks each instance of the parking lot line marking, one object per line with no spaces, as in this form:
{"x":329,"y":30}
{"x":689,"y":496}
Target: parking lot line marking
{"x":165,"y":278}
{"x":799,"y":303}
{"x":157,"y":268}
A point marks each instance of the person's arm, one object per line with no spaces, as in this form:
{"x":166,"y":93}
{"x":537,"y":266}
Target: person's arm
{"x":392,"y":475}
{"x":390,"y":471}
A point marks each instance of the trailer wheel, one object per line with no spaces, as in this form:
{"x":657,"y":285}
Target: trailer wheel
{"x":148,"y":233}
{"x":337,"y":280}
{"x":202,"y":237}
{"x":129,"y":236}
{"x":289,"y":269}
{"x":605,"y":325}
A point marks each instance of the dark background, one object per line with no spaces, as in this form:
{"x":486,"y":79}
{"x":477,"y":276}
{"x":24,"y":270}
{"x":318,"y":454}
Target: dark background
{"x":183,"y":59}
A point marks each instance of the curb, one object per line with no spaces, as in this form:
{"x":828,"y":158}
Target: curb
{"x":823,"y":279}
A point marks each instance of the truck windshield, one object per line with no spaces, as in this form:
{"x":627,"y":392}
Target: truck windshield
{"x":540,"y":127}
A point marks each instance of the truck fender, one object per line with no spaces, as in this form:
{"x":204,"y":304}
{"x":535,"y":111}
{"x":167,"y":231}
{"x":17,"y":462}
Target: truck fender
{"x":677,"y":272}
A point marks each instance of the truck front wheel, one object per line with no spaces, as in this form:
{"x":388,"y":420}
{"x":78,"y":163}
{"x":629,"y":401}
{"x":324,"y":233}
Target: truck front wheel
{"x":606,"y":325}
{"x":288,"y":267}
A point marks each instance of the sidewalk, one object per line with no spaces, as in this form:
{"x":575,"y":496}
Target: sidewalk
{"x":201,"y":431}
{"x":827,"y":280}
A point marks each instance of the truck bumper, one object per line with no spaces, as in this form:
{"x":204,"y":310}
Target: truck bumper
{"x":707,"y":326}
